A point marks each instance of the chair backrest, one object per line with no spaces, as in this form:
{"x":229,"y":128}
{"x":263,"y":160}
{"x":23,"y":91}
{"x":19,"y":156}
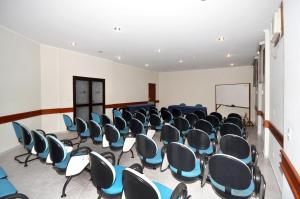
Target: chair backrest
{"x":181,"y":123}
{"x":163,"y":109}
{"x":57,"y":149}
{"x":140,"y":116}
{"x":103,"y":173}
{"x":68,"y":121}
{"x":138,"y":186}
{"x":127,"y":116}
{"x":230,"y":128}
{"x":117,"y":113}
{"x":198,"y":139}
{"x":205,"y":126}
{"x":142,"y":110}
{"x":96,"y":117}
{"x":154,"y":120}
{"x":192,"y":118}
{"x":111,"y":133}
{"x":200,"y":114}
{"x":169,"y":133}
{"x":198,"y":106}
{"x":235,"y":115}
{"x":218,"y":115}
{"x":181,"y":157}
{"x":40,"y":141}
{"x":166,"y":116}
{"x":176,"y":112}
{"x":105,"y":119}
{"x":153,"y":108}
{"x":213,"y":120}
{"x":235,"y":146}
{"x":26,"y":137}
{"x":182,"y":104}
{"x":81,"y":125}
{"x":95,"y":129}
{"x":120,"y":123}
{"x":153,"y":111}
{"x":145,"y":146}
{"x":136,"y":127}
{"x":228,"y":173}
{"x":18,"y":131}
{"x":235,"y":120}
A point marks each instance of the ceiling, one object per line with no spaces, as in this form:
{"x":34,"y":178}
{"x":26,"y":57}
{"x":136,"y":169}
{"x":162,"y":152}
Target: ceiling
{"x":184,"y":31}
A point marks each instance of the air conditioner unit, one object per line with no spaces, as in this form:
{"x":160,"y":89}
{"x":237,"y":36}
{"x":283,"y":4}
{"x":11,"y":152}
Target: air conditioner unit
{"x":276,"y":27}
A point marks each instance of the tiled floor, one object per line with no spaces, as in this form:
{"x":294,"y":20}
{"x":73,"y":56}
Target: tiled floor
{"x":40,"y":181}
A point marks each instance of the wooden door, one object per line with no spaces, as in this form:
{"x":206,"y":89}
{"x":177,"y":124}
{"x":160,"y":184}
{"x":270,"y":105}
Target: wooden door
{"x":152,"y":92}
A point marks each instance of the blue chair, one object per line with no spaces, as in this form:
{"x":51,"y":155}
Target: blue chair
{"x":105,"y":120}
{"x":127,"y":116}
{"x":182,"y":125}
{"x":140,"y":116}
{"x":170,"y":134}
{"x":7,"y":189}
{"x":176,"y":112}
{"x":218,"y":115}
{"x":41,"y":145}
{"x":97,"y":118}
{"x":148,"y":151}
{"x":82,"y":130}
{"x":235,"y":115}
{"x":192,"y":118}
{"x":153,"y":111}
{"x":61,"y":156}
{"x":207,"y":127}
{"x":18,"y":131}
{"x":155,"y":122}
{"x":200,"y":114}
{"x":136,"y":127}
{"x":96,"y":132}
{"x":237,"y":121}
{"x":137,"y":186}
{"x":230,"y":128}
{"x":183,"y":163}
{"x":117,"y":113}
{"x":200,"y":143}
{"x":112,"y":134}
{"x":166,"y":116}
{"x":231,"y":178}
{"x":214,"y":121}
{"x":238,"y":147}
{"x":144,"y":111}
{"x":2,"y":173}
{"x":69,"y":123}
{"x":121,"y":125}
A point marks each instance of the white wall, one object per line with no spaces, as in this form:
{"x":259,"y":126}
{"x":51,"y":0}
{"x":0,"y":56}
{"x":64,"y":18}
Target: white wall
{"x":19,"y":82}
{"x":198,"y":86}
{"x":123,"y":83}
{"x":291,"y":87}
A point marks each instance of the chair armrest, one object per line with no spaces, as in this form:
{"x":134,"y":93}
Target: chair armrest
{"x":138,"y":167}
{"x":81,"y":151}
{"x":254,"y":155}
{"x":259,"y":181}
{"x":109,"y":155}
{"x":17,"y":195}
{"x":180,"y":191}
{"x":42,"y":131}
{"x":67,"y":142}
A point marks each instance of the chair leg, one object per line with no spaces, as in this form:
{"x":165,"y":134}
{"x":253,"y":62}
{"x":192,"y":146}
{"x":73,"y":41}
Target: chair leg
{"x":65,"y":186}
{"x":17,"y":158}
{"x":120,"y":157}
{"x":79,"y":142}
{"x":132,"y":156}
{"x":26,"y":160}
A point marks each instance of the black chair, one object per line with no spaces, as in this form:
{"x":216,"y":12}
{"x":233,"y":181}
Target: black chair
{"x":105,"y":176}
{"x":105,"y":120}
{"x":136,"y":127}
{"x":153,"y":112}
{"x":176,"y":112}
{"x":231,"y":178}
{"x":61,"y":156}
{"x":153,"y":108}
{"x":127,"y":116}
{"x":192,"y":118}
{"x":200,"y":143}
{"x":238,"y":147}
{"x":166,"y":116}
{"x":163,"y":109}
{"x":183,"y":163}
{"x":138,"y":186}
{"x":96,"y":132}
{"x":207,"y":127}
{"x":148,"y":151}
{"x":112,"y":135}
{"x":200,"y":114}
{"x":230,"y":128}
{"x":218,"y":115}
{"x":82,"y":130}
{"x":170,"y":134}
{"x":214,"y":121}
{"x":122,"y":126}
{"x":182,"y":125}
{"x":237,"y":121}
{"x":235,"y":115}
{"x":41,"y":146}
{"x":144,"y":111}
{"x":155,"y":122}
{"x":140,"y":116}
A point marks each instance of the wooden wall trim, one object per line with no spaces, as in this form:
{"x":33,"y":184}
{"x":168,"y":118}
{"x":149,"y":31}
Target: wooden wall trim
{"x":25,"y":115}
{"x":260,"y":113}
{"x":276,"y":133}
{"x":291,"y":174}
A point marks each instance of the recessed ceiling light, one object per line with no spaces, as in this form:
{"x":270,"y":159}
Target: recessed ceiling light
{"x":117,"y":29}
{"x":73,"y":43}
{"x":228,"y":55}
{"x":221,"y":38}
{"x":147,"y":65}
{"x":119,"y":57}
{"x":180,"y":61}
{"x":232,"y":64}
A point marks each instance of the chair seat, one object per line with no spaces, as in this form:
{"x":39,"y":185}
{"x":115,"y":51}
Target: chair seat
{"x":124,"y":131}
{"x":118,"y":144}
{"x":2,"y":173}
{"x":44,"y":155}
{"x":117,"y":186}
{"x":72,"y":129}
{"x":98,"y":138}
{"x":156,"y":159}
{"x":6,"y":188}
{"x":190,"y":174}
{"x":212,"y":136}
{"x":159,"y":127}
{"x":85,"y":134}
{"x":164,"y":191}
{"x":207,"y":151}
{"x":247,"y":160}
{"x":63,"y":164}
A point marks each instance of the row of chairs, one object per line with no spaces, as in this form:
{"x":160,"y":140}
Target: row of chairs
{"x":7,"y":189}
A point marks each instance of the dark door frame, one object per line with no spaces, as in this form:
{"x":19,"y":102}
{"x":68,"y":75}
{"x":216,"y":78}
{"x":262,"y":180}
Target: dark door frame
{"x":90,"y":104}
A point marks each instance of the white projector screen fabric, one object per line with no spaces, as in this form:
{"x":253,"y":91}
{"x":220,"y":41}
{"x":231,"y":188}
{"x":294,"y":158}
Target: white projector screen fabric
{"x":233,"y":95}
